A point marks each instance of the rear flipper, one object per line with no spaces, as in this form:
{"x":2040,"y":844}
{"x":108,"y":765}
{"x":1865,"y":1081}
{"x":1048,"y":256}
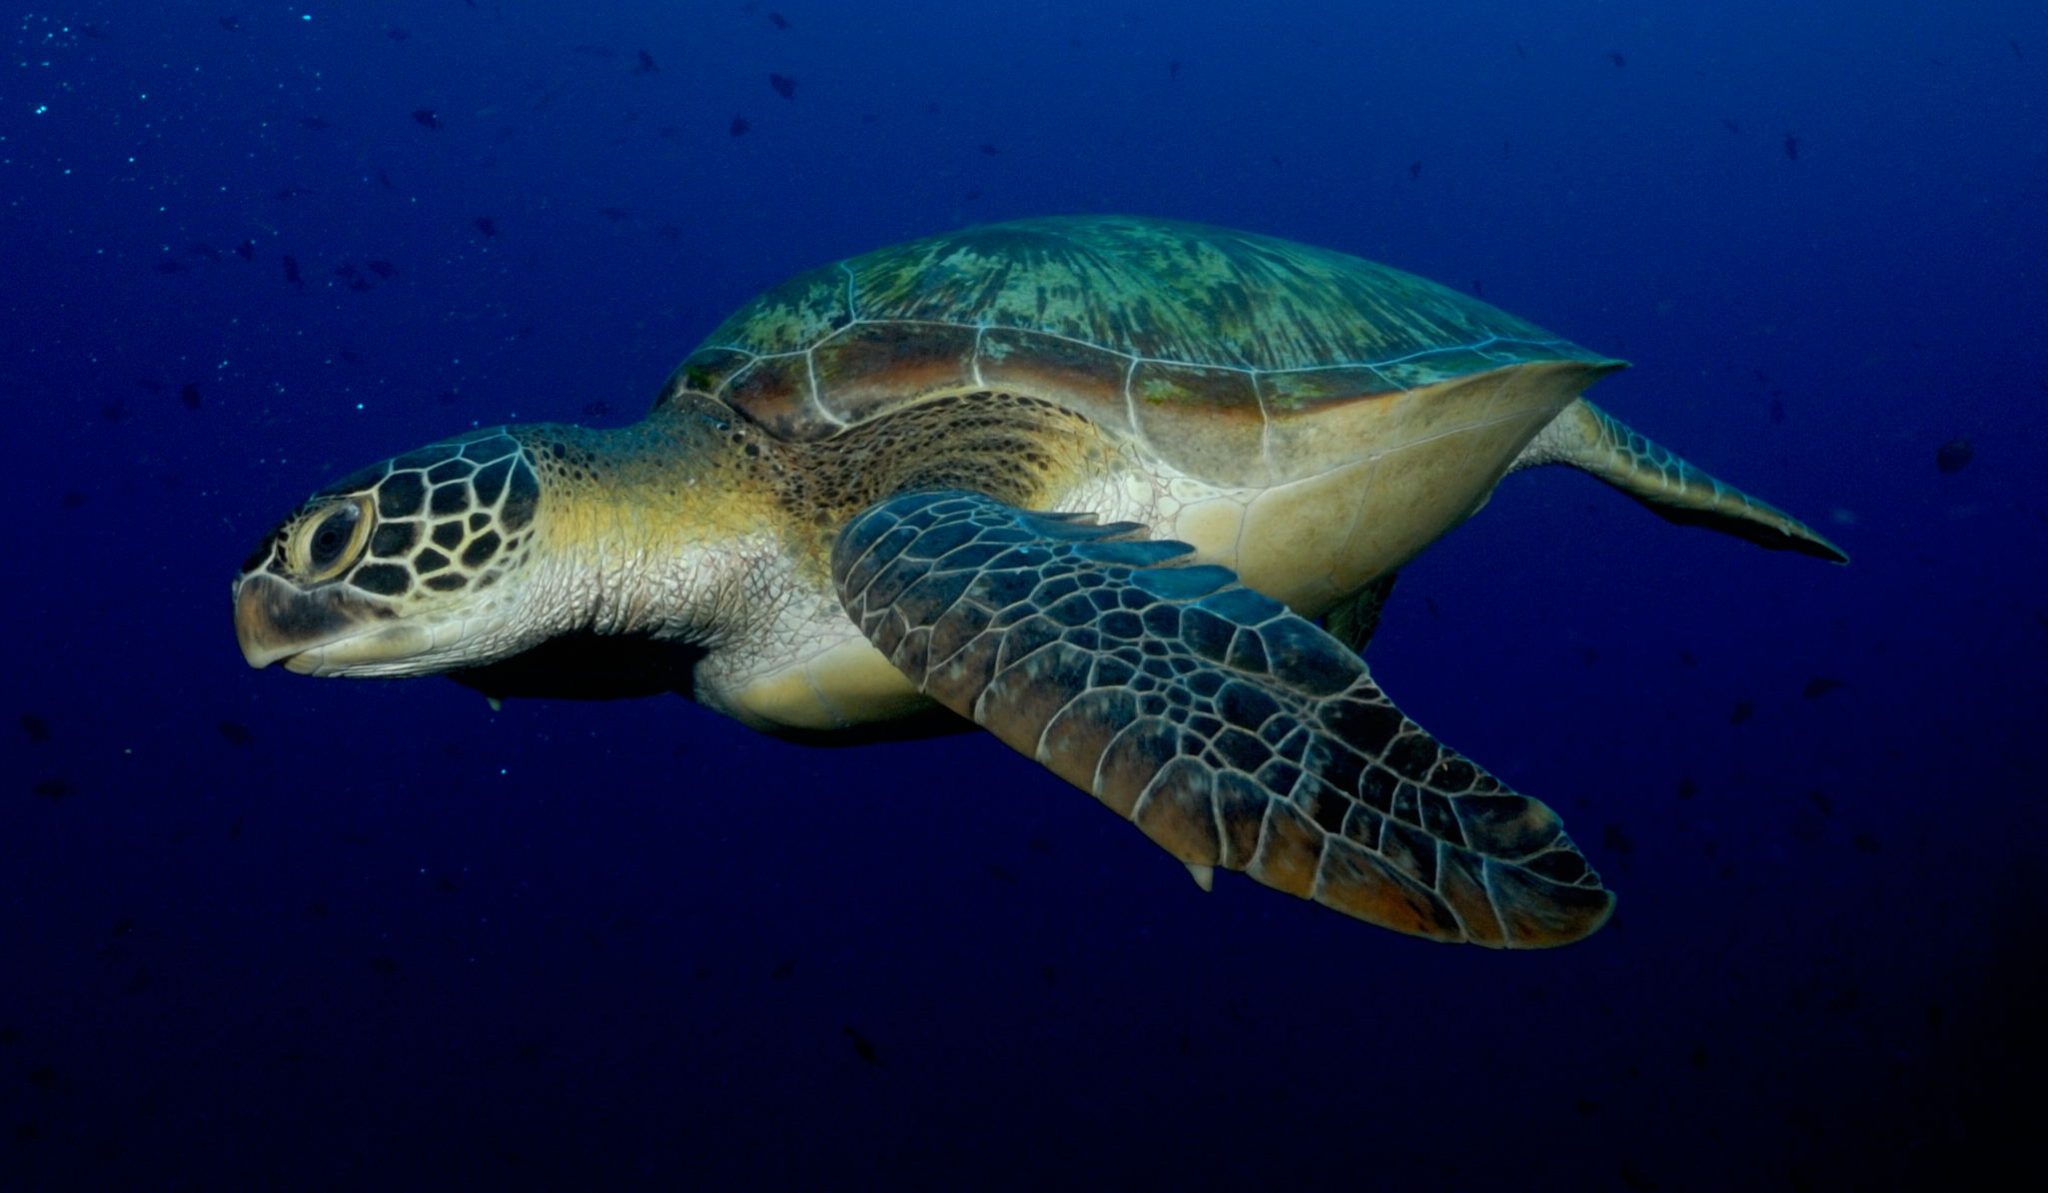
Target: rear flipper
{"x":1233,"y":732}
{"x":1590,"y":439}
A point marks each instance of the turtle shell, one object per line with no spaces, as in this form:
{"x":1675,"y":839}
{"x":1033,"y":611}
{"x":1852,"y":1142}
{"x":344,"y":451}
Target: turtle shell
{"x":1198,"y":340}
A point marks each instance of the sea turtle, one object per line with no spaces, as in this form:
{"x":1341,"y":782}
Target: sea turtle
{"x":827,"y":522}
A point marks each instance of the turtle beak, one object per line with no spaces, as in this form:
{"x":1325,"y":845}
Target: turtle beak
{"x":276,"y":620}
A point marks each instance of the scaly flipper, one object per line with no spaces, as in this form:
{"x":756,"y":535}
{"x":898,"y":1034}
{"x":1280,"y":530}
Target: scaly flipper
{"x":1666,"y":483}
{"x":1231,"y":731}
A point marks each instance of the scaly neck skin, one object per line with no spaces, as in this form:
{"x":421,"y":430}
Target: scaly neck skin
{"x":652,"y":529}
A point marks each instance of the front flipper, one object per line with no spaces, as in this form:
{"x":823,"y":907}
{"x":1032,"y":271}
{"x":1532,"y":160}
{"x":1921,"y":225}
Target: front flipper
{"x":1231,"y":731}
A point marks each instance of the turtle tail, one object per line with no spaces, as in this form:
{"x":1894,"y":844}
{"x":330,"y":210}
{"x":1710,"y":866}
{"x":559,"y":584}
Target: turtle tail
{"x":1592,"y":440}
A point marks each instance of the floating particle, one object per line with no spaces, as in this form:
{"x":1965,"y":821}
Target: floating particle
{"x":739,"y":126}
{"x":37,"y":729}
{"x":1791,"y":147}
{"x":1955,"y":455}
{"x":486,"y":225}
{"x":189,"y":395}
{"x":1818,"y":686}
{"x":862,"y":1047}
{"x":1743,"y":710}
{"x":784,"y":85}
{"x":645,"y":64}
{"x":235,"y":733}
{"x":426,"y":118}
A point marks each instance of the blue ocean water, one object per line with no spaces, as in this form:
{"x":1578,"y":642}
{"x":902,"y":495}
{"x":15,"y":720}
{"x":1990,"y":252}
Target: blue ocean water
{"x":258,"y":930}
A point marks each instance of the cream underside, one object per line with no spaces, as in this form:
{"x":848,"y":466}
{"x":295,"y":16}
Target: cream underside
{"x":1310,"y":542}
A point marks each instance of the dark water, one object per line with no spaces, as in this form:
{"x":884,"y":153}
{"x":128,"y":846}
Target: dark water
{"x":262,"y":931}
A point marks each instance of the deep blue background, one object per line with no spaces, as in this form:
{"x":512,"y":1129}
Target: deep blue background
{"x":257,"y":929}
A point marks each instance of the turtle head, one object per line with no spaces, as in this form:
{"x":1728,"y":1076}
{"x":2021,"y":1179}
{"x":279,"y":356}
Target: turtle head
{"x":417,"y":565}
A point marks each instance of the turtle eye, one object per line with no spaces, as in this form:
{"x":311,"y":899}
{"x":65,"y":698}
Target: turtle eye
{"x":330,"y":541}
